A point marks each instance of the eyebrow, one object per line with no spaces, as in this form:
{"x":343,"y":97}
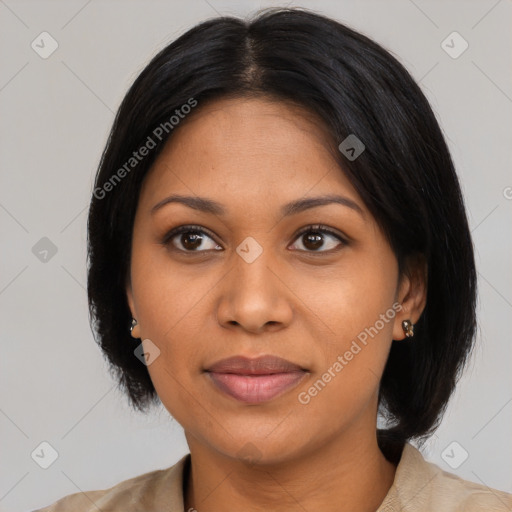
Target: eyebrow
{"x":210,"y":206}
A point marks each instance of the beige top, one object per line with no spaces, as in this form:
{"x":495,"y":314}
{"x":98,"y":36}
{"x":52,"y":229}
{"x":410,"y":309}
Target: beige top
{"x":419,"y":486}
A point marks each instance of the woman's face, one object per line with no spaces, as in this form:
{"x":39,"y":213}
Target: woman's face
{"x":247,"y":282}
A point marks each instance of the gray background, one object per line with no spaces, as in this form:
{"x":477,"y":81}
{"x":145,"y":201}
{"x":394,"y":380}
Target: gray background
{"x":55,"y":117}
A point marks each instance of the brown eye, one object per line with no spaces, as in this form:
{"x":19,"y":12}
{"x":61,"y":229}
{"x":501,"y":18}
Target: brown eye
{"x":313,"y":238}
{"x":191,"y":239}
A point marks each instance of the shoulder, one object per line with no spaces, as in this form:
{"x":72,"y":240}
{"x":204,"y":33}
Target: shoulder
{"x":423,"y":486}
{"x":452,"y":491}
{"x":148,"y":492}
{"x":420,"y":485}
{"x":121,"y":495}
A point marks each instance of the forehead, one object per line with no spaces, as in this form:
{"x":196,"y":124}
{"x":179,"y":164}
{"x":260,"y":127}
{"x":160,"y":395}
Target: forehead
{"x":251,"y":148}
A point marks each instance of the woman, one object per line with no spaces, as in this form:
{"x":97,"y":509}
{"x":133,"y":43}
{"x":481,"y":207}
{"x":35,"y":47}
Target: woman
{"x":279,"y":253}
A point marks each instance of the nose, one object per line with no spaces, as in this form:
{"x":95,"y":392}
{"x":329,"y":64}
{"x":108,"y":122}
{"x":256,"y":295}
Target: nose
{"x":254,"y":296}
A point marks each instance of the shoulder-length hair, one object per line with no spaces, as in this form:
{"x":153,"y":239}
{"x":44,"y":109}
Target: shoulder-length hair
{"x":405,"y":176}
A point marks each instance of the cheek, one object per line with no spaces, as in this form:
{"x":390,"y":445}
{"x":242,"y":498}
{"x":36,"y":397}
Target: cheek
{"x":360,"y":315}
{"x":167,"y":292}
{"x":346,"y":381}
{"x":354,"y":296}
{"x":169,"y":304}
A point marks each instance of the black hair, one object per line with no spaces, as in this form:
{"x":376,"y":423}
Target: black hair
{"x":405,"y":176}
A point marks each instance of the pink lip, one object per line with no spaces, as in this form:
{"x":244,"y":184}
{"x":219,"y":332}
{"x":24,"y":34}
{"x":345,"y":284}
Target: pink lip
{"x":255,"y":388}
{"x":255,"y":380}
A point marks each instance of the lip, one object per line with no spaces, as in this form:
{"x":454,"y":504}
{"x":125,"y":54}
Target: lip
{"x":255,"y":380}
{"x":263,"y":365}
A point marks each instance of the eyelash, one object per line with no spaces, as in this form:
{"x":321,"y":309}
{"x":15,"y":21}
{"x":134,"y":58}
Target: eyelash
{"x":315,"y":228}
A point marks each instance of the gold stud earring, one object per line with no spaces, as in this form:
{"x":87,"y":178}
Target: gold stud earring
{"x":408,"y":328}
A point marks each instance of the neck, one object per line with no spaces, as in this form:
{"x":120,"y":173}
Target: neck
{"x":346,"y":474}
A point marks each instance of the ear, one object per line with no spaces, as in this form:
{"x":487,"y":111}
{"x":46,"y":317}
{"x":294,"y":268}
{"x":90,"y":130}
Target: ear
{"x":131,"y":304}
{"x":411,"y":293}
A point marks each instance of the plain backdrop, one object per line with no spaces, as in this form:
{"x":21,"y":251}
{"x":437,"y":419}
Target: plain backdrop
{"x":56,"y":113}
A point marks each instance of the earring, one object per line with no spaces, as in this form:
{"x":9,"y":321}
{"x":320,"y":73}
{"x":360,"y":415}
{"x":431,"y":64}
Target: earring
{"x":134,"y":323}
{"x":408,"y":328}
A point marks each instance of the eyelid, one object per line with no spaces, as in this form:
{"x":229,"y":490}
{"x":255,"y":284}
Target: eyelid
{"x":311,"y":227}
{"x":323,"y":229}
{"x":185,"y":228}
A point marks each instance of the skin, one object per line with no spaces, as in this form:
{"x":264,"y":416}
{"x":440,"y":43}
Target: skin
{"x":301,"y":304}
